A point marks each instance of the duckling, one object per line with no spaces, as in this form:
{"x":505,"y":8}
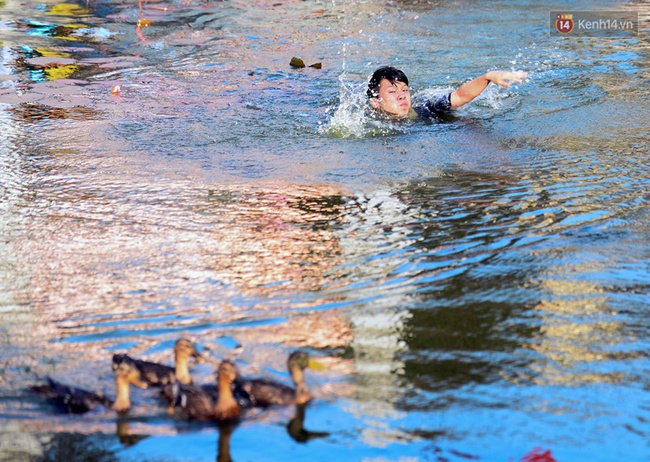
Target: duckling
{"x":265,"y":392}
{"x":125,"y":375}
{"x":155,"y":374}
{"x":207,"y":402}
{"x":74,"y":400}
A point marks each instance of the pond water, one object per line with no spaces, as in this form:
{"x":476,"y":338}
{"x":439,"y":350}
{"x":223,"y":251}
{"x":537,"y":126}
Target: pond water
{"x":478,"y":288}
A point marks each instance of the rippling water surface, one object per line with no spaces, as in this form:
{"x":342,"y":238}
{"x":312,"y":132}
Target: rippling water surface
{"x":478,"y":287}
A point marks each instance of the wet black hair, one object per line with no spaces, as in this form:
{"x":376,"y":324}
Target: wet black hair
{"x":389,"y":73}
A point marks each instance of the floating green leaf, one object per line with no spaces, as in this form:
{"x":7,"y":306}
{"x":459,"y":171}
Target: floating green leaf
{"x":297,"y":62}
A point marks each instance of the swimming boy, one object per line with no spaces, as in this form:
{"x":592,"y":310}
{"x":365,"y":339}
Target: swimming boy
{"x":389,"y":94}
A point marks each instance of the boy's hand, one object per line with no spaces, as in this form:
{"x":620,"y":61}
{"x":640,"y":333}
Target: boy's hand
{"x":506,"y":78}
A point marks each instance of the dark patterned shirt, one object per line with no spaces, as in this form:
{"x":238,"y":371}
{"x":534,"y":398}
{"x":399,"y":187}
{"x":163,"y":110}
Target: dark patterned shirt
{"x":434,"y":107}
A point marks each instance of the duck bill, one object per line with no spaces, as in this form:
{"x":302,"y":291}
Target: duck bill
{"x":198,"y":357}
{"x":313,"y":364}
{"x":134,"y":378}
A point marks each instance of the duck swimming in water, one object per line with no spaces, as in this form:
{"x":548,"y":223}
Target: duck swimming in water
{"x":125,"y":375}
{"x":225,"y":402}
{"x":74,"y":400}
{"x":154,"y":374}
{"x":265,"y":392}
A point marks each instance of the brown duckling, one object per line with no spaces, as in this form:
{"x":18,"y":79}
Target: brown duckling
{"x":155,"y":374}
{"x":225,"y":402}
{"x":265,"y":392}
{"x":74,"y":400}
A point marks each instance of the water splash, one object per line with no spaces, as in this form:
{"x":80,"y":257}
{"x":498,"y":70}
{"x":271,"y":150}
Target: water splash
{"x":352,"y":117}
{"x":349,"y":118}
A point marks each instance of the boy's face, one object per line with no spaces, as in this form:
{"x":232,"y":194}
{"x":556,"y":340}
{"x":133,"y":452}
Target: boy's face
{"x":393,"y":98}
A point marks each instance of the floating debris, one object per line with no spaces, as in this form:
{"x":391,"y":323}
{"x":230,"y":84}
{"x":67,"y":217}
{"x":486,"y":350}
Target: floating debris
{"x":297,"y":63}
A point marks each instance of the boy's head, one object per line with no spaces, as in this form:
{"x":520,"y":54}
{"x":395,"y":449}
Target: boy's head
{"x":388,"y":91}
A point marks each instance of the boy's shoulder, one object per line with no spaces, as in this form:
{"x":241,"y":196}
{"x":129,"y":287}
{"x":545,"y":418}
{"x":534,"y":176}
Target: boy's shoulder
{"x":433,"y":106}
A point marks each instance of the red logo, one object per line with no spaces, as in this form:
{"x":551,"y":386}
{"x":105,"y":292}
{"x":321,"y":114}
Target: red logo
{"x":564,"y":23}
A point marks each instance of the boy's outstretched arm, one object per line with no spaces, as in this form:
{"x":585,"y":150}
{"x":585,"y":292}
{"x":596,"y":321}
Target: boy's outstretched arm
{"x":470,"y":90}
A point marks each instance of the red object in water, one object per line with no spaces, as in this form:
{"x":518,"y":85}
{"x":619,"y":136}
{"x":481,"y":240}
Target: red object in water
{"x":536,"y":455}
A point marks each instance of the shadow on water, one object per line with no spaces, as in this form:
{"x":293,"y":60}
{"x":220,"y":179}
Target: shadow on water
{"x":131,"y":432}
{"x":468,"y":280}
